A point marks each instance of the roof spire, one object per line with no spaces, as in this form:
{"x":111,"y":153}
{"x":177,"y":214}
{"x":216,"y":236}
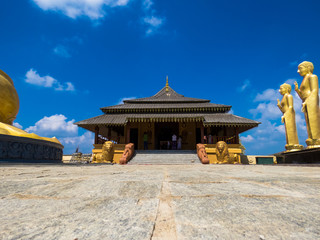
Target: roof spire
{"x":167,"y":85}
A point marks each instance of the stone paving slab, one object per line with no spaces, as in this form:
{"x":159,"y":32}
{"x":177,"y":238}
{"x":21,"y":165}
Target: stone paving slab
{"x":159,"y":202}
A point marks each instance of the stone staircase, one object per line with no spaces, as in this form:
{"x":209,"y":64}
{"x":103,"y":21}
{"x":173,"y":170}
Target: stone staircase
{"x":164,"y":157}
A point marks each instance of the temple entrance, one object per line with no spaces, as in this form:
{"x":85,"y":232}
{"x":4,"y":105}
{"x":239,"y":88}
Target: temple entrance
{"x":163,"y":134}
{"x":134,"y":135}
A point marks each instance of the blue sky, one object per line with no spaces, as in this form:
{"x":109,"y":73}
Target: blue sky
{"x":68,"y":58}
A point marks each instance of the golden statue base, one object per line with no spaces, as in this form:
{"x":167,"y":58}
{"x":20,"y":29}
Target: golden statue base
{"x":292,"y":148}
{"x":17,"y":145}
{"x":7,"y":129}
{"x":313,"y":143}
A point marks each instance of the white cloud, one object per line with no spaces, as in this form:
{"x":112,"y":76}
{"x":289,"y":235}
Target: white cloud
{"x":281,"y":129}
{"x":85,"y":143}
{"x":67,"y":133}
{"x":267,"y":95}
{"x":147,"y":4}
{"x":93,"y":9}
{"x":61,"y":51}
{"x":96,"y":10}
{"x":66,"y":46}
{"x":248,"y":138}
{"x":153,"y":24}
{"x":291,"y":81}
{"x":17,"y":125}
{"x":70,"y":86}
{"x":124,"y":99}
{"x":245,"y":85}
{"x":153,"y":21}
{"x":34,"y":78}
{"x":78,"y":139}
{"x":55,"y":125}
{"x":266,"y":111}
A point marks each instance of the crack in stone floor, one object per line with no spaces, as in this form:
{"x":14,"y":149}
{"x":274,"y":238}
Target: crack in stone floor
{"x":165,"y":226}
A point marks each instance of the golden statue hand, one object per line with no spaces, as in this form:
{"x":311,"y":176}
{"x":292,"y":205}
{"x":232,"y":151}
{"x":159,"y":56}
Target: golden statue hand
{"x":296,"y":86}
{"x":282,"y":119}
{"x":278,"y":104}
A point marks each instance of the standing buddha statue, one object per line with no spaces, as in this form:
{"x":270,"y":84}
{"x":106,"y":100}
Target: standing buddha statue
{"x":309,"y":94}
{"x":288,"y":118}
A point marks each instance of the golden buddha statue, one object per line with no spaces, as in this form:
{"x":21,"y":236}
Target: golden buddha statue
{"x":309,"y":94}
{"x":9,"y":107}
{"x":9,"y":100}
{"x":289,"y":118}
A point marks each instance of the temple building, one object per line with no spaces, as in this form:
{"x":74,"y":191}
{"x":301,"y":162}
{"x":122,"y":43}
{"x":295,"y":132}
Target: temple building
{"x":157,"y":118}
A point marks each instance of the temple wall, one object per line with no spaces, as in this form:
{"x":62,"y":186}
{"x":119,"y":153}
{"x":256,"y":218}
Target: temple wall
{"x":149,"y":128}
{"x":188,"y":133}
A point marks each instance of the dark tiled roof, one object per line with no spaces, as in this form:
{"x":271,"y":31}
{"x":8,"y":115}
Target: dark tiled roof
{"x":165,"y":106}
{"x":208,"y":119}
{"x":225,"y":118}
{"x":106,"y":119}
{"x":167,"y":96}
{"x":168,"y":106}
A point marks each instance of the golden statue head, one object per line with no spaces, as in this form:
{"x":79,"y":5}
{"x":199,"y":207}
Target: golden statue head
{"x":107,"y":146}
{"x":222,"y":152}
{"x":221,"y":147}
{"x":285,"y":88}
{"x":107,"y":151}
{"x":305,"y":67}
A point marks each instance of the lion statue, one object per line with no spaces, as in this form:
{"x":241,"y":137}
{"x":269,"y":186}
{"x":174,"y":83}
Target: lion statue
{"x":127,"y":154}
{"x":222,"y":152}
{"x":202,"y":154}
{"x":107,"y":153}
{"x":223,"y":155}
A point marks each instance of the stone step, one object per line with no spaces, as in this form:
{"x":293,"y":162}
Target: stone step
{"x":165,"y":157}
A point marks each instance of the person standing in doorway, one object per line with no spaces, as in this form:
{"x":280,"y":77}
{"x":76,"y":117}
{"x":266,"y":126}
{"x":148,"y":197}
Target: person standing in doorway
{"x":145,"y":140}
{"x":210,"y":139}
{"x":174,"y":142}
{"x":179,"y":143}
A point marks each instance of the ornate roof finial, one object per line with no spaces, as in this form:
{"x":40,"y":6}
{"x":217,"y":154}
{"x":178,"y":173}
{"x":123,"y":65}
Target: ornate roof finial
{"x":167,"y":85}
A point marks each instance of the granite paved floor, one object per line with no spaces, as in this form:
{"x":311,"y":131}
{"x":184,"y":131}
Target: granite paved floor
{"x":159,"y":202}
